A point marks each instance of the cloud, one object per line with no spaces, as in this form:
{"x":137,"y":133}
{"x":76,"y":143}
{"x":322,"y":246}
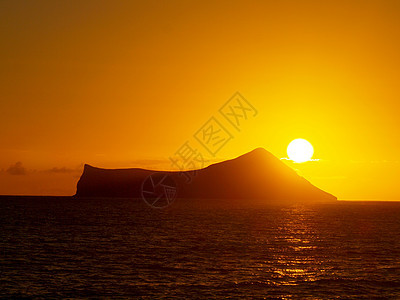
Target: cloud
{"x":63,"y":170}
{"x":149,"y":161}
{"x":16,"y":169}
{"x":288,"y":159}
{"x":374,"y":162}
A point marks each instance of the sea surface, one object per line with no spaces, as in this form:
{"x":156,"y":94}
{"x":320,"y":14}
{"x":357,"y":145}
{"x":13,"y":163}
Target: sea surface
{"x":60,"y":247}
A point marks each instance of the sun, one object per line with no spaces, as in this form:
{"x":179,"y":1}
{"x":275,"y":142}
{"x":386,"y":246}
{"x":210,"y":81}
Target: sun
{"x":300,"y":150}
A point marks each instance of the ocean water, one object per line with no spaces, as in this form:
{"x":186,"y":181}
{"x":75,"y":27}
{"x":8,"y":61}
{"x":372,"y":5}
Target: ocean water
{"x":112,"y":248}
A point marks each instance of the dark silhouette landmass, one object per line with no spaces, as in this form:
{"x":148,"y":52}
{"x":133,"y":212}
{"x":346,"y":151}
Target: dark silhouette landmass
{"x":255,"y":175}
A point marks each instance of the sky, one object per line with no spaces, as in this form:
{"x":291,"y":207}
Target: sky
{"x":122,"y":84}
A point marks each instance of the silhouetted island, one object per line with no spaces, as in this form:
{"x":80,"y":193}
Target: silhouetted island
{"x":255,"y":175}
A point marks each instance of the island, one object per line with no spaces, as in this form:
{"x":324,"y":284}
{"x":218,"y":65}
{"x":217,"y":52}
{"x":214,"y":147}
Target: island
{"x":254,"y":175}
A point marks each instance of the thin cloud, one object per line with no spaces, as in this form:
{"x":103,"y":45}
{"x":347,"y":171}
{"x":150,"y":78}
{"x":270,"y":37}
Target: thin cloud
{"x":64,"y":170}
{"x":291,"y":160}
{"x":61,"y":170}
{"x":16,"y":169}
{"x":148,"y":161}
{"x":374,"y":161}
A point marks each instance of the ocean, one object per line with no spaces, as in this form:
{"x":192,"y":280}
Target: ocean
{"x":60,"y":247}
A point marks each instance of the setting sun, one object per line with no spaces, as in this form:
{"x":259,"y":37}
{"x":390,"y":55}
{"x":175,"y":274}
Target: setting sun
{"x":300,"y":150}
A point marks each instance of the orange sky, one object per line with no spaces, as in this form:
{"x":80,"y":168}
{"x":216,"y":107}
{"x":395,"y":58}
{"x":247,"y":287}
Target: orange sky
{"x":126,"y":84}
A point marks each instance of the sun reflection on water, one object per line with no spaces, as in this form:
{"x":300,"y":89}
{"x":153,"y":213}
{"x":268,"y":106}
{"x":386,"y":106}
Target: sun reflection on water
{"x":296,"y":247}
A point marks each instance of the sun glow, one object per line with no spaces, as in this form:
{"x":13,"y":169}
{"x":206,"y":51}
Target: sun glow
{"x":300,"y":150}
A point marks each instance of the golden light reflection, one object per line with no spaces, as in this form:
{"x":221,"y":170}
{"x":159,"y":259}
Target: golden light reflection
{"x":297,"y":256}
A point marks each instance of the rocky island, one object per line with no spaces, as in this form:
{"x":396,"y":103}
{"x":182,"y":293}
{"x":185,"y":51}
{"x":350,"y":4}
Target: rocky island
{"x":255,"y":175}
